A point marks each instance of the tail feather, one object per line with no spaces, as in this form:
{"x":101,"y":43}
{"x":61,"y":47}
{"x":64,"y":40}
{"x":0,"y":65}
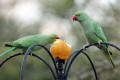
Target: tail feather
{"x":110,"y":59}
{"x":9,"y":50}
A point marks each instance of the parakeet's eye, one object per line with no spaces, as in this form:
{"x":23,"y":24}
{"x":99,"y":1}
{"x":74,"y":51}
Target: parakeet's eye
{"x":78,"y":15}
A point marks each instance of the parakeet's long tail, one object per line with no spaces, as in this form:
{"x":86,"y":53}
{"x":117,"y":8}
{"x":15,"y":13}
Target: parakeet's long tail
{"x":9,"y":50}
{"x":110,"y":59}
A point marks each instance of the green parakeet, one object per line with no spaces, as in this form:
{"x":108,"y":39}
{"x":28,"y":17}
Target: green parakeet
{"x":25,"y":42}
{"x":93,"y":33}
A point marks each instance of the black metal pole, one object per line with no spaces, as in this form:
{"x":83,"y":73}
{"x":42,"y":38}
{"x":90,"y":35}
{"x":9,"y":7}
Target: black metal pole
{"x":10,"y":57}
{"x":60,"y":64}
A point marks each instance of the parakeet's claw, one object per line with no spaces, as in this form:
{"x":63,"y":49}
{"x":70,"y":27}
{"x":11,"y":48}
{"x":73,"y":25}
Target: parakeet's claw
{"x":99,"y":42}
{"x":84,"y":46}
{"x":30,"y":54}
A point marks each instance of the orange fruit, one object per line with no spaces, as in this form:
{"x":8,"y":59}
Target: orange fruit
{"x":60,"y":49}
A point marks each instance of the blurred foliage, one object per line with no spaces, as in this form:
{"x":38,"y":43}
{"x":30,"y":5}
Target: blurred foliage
{"x":63,"y":9}
{"x":59,"y":7}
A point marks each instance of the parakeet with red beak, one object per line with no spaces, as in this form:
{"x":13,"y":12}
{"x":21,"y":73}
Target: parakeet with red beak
{"x":25,"y":42}
{"x":93,"y":33}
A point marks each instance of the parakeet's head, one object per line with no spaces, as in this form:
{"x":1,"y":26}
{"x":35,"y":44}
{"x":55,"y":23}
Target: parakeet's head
{"x":80,"y":16}
{"x":54,"y":36}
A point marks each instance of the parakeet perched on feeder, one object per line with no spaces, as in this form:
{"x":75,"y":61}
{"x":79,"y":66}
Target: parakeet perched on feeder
{"x":93,"y":33}
{"x":25,"y":42}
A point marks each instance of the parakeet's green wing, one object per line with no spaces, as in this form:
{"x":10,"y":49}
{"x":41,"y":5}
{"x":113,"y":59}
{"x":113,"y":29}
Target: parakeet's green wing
{"x":99,"y":32}
{"x":25,"y":42}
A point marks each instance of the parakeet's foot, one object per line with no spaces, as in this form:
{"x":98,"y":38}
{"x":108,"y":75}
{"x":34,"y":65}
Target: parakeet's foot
{"x":30,"y":54}
{"x":84,"y":46}
{"x":99,"y":42}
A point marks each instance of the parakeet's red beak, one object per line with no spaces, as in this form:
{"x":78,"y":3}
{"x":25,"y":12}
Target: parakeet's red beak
{"x":74,"y":18}
{"x":57,"y":37}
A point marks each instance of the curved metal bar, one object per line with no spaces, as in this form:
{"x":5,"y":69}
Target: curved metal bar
{"x":28,"y":51}
{"x":93,"y":67}
{"x":53,"y":74}
{"x":14,"y":55}
{"x":70,"y":63}
{"x":87,"y":46}
{"x":34,"y":55}
{"x":68,"y":60}
{"x":110,"y":44}
{"x":105,"y":43}
{"x":76,"y":53}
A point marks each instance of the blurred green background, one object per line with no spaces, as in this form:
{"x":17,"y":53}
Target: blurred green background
{"x":24,"y":17}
